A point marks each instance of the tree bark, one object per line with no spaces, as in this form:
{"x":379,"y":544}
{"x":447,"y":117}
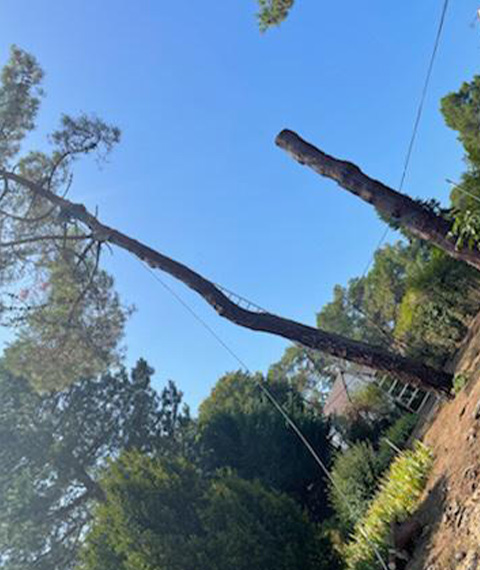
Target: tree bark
{"x":377,"y":358}
{"x":419,"y":220}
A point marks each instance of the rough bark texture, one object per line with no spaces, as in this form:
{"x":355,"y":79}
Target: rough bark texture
{"x":401,"y":209}
{"x":374,"y":357}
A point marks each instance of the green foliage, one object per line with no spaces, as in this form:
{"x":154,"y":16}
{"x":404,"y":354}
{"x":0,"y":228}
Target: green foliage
{"x":466,"y":195}
{"x":396,"y":499}
{"x":54,"y":447}
{"x":414,"y":298}
{"x":459,"y":383}
{"x":371,"y":400}
{"x":161,"y":514}
{"x":20,"y":94}
{"x":466,"y":229}
{"x":429,"y":329}
{"x":309,"y":371}
{"x":234,"y":392}
{"x":62,"y":307}
{"x":354,"y":474}
{"x":383,"y":288}
{"x":395,"y":437}
{"x":74,"y":333}
{"x":339,"y":315}
{"x":240,"y":429}
{"x":441,"y":299}
{"x":461,"y":111}
{"x":356,"y":471}
{"x":370,"y":413}
{"x":367,"y":309}
{"x":273,"y":12}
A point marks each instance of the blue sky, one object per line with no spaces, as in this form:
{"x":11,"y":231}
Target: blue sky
{"x":200,"y":94}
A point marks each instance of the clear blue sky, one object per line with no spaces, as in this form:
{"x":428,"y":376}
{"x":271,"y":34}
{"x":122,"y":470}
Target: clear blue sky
{"x":200,"y":95}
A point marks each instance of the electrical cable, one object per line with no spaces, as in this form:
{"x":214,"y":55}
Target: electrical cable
{"x":290,"y":422}
{"x":269,"y":395}
{"x":418,"y":118}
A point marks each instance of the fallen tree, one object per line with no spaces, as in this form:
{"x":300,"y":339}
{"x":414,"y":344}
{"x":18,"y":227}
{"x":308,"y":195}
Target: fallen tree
{"x":375,"y":357}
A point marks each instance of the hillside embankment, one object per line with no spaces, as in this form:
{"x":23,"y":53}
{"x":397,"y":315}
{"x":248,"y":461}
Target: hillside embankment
{"x":449,"y":514}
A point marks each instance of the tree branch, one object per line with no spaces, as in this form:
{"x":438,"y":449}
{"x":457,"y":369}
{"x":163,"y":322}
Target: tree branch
{"x":419,"y":220}
{"x":42,"y":238}
{"x":405,"y":369}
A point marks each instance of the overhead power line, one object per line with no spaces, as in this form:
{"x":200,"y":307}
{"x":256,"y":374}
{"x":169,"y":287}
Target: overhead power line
{"x":418,"y":118}
{"x":270,"y":396}
{"x":241,"y":301}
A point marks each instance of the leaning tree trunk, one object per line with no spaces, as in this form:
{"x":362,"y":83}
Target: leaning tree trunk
{"x":377,"y":358}
{"x":419,"y":220}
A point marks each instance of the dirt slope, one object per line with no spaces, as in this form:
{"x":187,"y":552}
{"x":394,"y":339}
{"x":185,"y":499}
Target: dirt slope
{"x":450,"y":511}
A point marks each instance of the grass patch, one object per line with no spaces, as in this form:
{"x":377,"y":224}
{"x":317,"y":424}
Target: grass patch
{"x":396,"y":499}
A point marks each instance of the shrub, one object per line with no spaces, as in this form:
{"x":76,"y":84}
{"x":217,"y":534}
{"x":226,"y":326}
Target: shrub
{"x":396,"y":499}
{"x":354,"y":474}
{"x":459,"y":383}
{"x":237,"y":424}
{"x":397,"y":434}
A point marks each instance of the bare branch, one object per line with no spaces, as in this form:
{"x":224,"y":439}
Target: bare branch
{"x":395,"y":206}
{"x":83,"y":255}
{"x":85,"y":290}
{"x":405,"y":369}
{"x":25,"y":219}
{"x":6,"y":189}
{"x":43,"y":238}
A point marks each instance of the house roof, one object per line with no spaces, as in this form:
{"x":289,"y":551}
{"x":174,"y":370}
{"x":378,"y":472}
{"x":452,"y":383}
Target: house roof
{"x":338,"y":399}
{"x":344,"y":386}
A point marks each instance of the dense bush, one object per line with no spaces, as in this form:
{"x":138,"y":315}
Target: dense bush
{"x":396,"y":499}
{"x":356,"y":472}
{"x":395,"y":436}
{"x":354,"y":477}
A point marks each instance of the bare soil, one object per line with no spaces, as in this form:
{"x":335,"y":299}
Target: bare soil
{"x":450,"y":510}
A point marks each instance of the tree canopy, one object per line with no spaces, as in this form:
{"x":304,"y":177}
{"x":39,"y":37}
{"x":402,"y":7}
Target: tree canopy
{"x":240,"y":429}
{"x":54,"y":447}
{"x":92,"y":456}
{"x":161,"y":514}
{"x":66,"y":314}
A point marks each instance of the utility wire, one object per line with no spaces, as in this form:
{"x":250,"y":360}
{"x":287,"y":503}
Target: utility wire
{"x":424,"y":93}
{"x":406,"y":164}
{"x":457,"y":186}
{"x":262,"y":385}
{"x":418,"y":118}
{"x":269,"y":395}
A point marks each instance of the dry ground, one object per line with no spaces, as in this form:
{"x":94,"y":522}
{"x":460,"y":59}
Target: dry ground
{"x":450,"y":511}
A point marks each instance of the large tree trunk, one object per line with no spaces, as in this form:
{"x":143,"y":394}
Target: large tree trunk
{"x":419,"y":220}
{"x":374,"y":357}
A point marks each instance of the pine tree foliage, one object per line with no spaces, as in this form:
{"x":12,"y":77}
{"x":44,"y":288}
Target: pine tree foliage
{"x":53,"y":294}
{"x":273,"y":12}
{"x":55,"y":446}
